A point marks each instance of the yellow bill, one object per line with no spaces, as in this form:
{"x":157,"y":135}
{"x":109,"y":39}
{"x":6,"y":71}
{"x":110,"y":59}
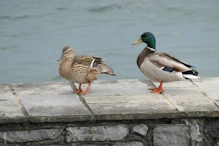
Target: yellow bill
{"x":138,"y":42}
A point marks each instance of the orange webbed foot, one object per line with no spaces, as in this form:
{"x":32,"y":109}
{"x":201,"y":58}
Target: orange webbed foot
{"x":85,"y":92}
{"x":88,"y":89}
{"x":79,"y":90}
{"x":159,"y":89}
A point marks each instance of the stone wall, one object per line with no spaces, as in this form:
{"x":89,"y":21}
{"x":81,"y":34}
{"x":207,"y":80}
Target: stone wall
{"x":163,"y":132}
{"x":114,"y":113}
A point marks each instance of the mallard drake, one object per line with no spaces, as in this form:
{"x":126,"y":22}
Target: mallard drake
{"x":81,"y":69}
{"x":161,"y":67}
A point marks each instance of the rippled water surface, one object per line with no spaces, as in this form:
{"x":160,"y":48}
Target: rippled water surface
{"x":33,"y":32}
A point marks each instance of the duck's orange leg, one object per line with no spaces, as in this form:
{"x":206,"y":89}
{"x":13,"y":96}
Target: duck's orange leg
{"x":159,"y":89}
{"x":87,"y":90}
{"x":79,"y":90}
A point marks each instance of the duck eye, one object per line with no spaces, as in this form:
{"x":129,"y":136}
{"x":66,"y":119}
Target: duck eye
{"x":66,"y":52}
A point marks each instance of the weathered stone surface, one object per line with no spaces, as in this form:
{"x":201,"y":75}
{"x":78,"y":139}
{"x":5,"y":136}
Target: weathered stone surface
{"x":148,"y":106}
{"x":140,"y":129}
{"x":118,"y":88}
{"x":109,"y":100}
{"x":54,"y":108}
{"x":212,"y":128}
{"x":129,"y":144}
{"x":96,"y":133}
{"x":10,"y":111}
{"x":4,"y":89}
{"x":53,"y":145}
{"x":171,"y":135}
{"x":187,"y":98}
{"x":51,"y":102}
{"x":89,"y":144}
{"x":176,"y":86}
{"x":43,"y":89}
{"x":27,"y":136}
{"x":217,"y":103}
{"x":113,"y":144}
{"x":209,"y":86}
{"x":196,"y":136}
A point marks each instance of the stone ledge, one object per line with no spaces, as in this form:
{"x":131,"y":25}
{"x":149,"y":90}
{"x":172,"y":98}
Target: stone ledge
{"x":109,"y":100}
{"x":10,"y":111}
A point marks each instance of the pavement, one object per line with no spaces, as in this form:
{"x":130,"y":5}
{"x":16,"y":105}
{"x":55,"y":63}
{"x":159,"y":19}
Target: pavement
{"x":127,"y":99}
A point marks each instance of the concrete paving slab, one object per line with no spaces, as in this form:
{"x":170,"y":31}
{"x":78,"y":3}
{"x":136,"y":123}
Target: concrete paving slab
{"x":10,"y":112}
{"x":148,"y":106}
{"x":217,"y":102}
{"x":51,"y":102}
{"x":118,"y":87}
{"x":108,"y":100}
{"x":54,"y":108}
{"x":43,"y":89}
{"x":177,"y":85}
{"x":188,"y":99}
{"x":210,"y":86}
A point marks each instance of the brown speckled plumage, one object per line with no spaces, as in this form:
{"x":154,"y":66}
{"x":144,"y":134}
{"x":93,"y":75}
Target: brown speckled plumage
{"x":75,"y":72}
{"x":95,"y":62}
{"x":81,"y":69}
{"x":87,"y":60}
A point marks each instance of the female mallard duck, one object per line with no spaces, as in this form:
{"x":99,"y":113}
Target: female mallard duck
{"x":81,"y":69}
{"x":161,"y":67}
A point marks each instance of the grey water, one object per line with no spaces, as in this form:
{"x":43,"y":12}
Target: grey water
{"x":33,"y":33}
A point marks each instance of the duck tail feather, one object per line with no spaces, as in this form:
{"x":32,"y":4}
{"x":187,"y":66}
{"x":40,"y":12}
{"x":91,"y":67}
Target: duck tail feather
{"x":104,"y":69}
{"x":190,"y":74}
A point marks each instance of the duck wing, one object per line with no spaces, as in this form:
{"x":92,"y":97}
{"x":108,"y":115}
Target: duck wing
{"x":96,"y":63}
{"x":169,"y":63}
{"x":177,"y":60}
{"x":90,"y":61}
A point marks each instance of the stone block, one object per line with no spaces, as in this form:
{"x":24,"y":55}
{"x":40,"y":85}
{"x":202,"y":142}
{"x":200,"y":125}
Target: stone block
{"x":209,"y":86}
{"x":176,"y":85}
{"x":188,"y":99}
{"x":96,"y":133}
{"x":89,"y":144}
{"x":51,"y":145}
{"x":118,"y":88}
{"x":54,"y":108}
{"x":196,"y":136}
{"x":113,"y":144}
{"x":51,"y":102}
{"x":129,"y":144}
{"x":171,"y":135}
{"x":43,"y":88}
{"x":28,"y":136}
{"x":10,"y":112}
{"x":127,"y":99}
{"x":217,"y":102}
{"x":212,"y":129}
{"x":140,"y":129}
{"x":147,"y":106}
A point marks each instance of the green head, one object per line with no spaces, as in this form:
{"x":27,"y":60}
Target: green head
{"x":147,"y":38}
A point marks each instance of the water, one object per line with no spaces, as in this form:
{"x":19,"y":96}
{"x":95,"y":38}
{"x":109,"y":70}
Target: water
{"x":33,"y":33}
